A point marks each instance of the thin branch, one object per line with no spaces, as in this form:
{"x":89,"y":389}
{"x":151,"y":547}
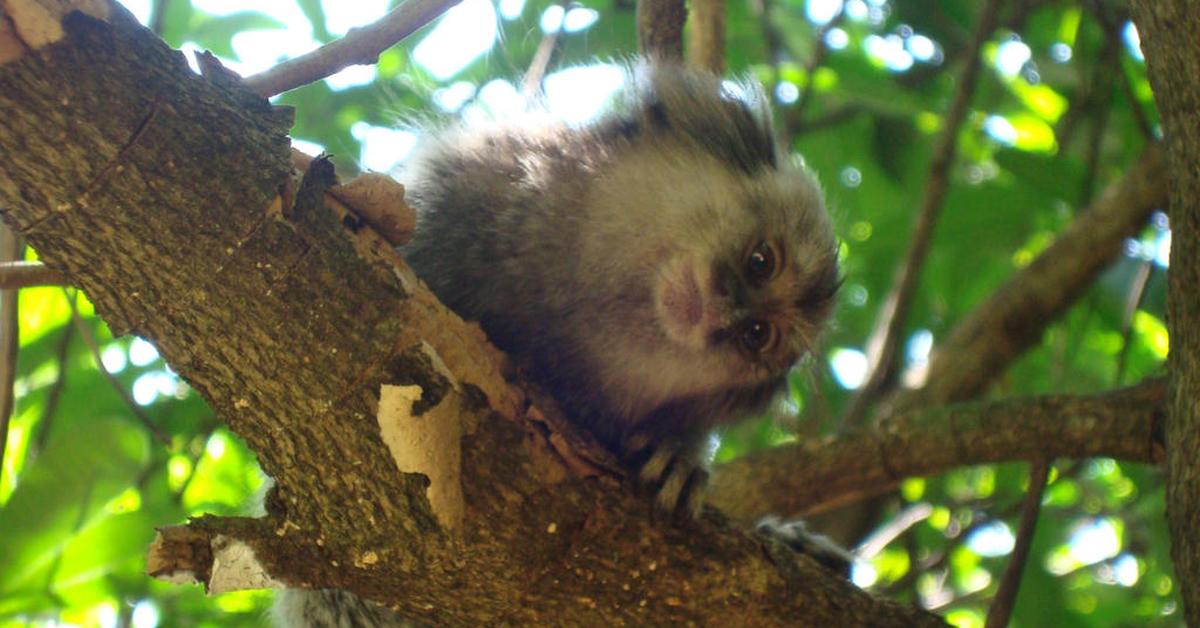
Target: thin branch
{"x":1137,"y":293}
{"x":907,"y":518}
{"x":818,"y":475}
{"x":360,"y":46}
{"x":1103,"y":82}
{"x":11,"y":250}
{"x":660,"y":29}
{"x":816,"y":59}
{"x":18,"y":274}
{"x":1010,"y":582}
{"x":531,"y":83}
{"x":881,"y":346}
{"x":90,"y":341}
{"x":706,"y":46}
{"x":50,"y":407}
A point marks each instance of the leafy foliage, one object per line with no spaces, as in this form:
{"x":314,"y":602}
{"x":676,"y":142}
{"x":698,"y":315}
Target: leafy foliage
{"x":1062,"y":108}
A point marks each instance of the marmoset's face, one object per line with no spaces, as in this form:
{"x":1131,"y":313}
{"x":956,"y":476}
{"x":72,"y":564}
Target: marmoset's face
{"x":760,"y":293}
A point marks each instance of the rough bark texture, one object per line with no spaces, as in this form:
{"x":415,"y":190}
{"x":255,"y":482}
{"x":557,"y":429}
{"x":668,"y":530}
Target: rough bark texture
{"x":824,"y":474}
{"x":1168,"y":31}
{"x":169,"y":200}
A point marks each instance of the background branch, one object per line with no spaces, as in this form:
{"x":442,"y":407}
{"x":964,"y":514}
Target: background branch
{"x":706,"y":45}
{"x":660,"y":29}
{"x":1006,"y":595}
{"x":819,"y":475}
{"x":359,"y":46}
{"x":12,"y":249}
{"x":19,"y":274}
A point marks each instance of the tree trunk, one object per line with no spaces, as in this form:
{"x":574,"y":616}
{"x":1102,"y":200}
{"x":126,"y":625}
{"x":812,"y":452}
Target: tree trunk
{"x":1169,"y":31}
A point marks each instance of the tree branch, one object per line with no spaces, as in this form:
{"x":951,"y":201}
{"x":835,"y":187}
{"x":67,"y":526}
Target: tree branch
{"x":1010,"y":583}
{"x":706,"y":46}
{"x":11,"y":250}
{"x":27,"y":275}
{"x":660,"y":29}
{"x":360,"y":46}
{"x":819,"y":475}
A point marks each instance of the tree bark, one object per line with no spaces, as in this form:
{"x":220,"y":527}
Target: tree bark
{"x":169,"y":199}
{"x":815,"y":476}
{"x":1168,"y":30}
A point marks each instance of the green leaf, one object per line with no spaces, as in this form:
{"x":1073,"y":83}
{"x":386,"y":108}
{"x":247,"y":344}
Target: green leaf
{"x":63,"y":492}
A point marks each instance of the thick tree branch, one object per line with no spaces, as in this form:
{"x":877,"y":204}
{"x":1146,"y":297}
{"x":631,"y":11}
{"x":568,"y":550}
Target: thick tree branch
{"x":1168,"y":32}
{"x":172,"y":205}
{"x":822,"y":474}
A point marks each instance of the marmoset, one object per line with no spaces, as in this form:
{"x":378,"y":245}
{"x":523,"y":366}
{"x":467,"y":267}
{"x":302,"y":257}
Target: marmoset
{"x":657,"y":270}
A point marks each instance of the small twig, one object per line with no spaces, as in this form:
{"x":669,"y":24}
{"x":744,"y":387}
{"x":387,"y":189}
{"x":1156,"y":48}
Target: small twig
{"x":880,"y":539}
{"x":360,"y":46}
{"x":660,"y":29}
{"x":830,"y":118}
{"x":55,"y":393}
{"x":1137,"y":293}
{"x":1103,"y":84}
{"x":881,"y":346}
{"x":819,"y":52}
{"x":28,"y":274}
{"x":11,"y":249}
{"x":531,"y":83}
{"x":1010,"y":582}
{"x":775,"y":48}
{"x":90,"y":341}
{"x":706,"y":45}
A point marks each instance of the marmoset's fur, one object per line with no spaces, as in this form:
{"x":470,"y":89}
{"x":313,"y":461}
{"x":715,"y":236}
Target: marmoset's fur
{"x":657,"y":270}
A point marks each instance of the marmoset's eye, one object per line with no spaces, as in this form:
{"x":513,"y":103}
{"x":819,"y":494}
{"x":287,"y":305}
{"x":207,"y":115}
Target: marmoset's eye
{"x":757,"y":336}
{"x":761,"y":263}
